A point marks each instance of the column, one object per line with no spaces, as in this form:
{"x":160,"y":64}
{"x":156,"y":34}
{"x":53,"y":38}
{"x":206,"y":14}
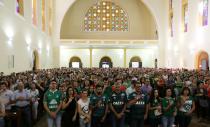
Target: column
{"x":91,"y":57}
{"x":125,"y":57}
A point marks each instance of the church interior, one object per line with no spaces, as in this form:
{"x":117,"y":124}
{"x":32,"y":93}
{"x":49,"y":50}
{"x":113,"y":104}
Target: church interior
{"x":127,"y":40}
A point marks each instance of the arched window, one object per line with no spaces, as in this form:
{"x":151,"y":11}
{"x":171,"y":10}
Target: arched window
{"x":185,"y":15}
{"x":135,"y":62}
{"x":75,"y":62}
{"x":34,"y":12}
{"x":106,"y":16}
{"x":105,"y":62}
{"x":20,"y":7}
{"x":203,"y":61}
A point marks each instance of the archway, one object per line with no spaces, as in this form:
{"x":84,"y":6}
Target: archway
{"x":96,"y":22}
{"x":35,"y":60}
{"x":135,"y":62}
{"x":105,"y":62}
{"x":65,"y":5}
{"x":75,"y":62}
{"x":202,"y":61}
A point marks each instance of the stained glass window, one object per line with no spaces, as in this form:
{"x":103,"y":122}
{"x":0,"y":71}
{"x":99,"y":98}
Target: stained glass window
{"x":34,"y":11}
{"x":20,"y":7}
{"x":171,"y":23}
{"x":106,"y":16}
{"x":203,"y":12}
{"x":43,"y":15}
{"x":185,"y":16}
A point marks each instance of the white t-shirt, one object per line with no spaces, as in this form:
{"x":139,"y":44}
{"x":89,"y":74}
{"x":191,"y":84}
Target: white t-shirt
{"x":34,"y":94}
{"x":6,"y":97}
{"x":84,"y":106}
{"x":129,"y":90}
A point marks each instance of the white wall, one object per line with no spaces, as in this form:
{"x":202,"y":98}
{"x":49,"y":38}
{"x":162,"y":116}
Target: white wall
{"x":117,"y":56}
{"x":20,"y":29}
{"x":159,"y":11}
{"x":183,"y":47}
{"x":66,"y":54}
{"x":147,"y":56}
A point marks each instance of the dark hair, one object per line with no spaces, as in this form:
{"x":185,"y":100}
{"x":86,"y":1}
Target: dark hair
{"x":199,"y":82}
{"x":34,"y":83}
{"x":142,"y":79}
{"x":67,"y":92}
{"x":152,"y":97}
{"x":186,"y":88}
{"x":99,"y":86}
{"x":105,"y":78}
{"x":134,"y":82}
{"x":118,"y":78}
{"x":3,"y":83}
{"x":53,"y":80}
{"x":172,"y":91}
{"x":83,"y":90}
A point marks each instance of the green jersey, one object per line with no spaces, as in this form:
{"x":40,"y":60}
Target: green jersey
{"x":127,"y":83}
{"x":99,"y":103}
{"x":79,"y":89}
{"x":165,"y":103}
{"x":138,"y":109}
{"x":52,"y":99}
{"x":155,"y":102}
{"x":179,"y":86}
{"x":118,"y":101}
{"x":63,"y":96}
{"x":108,"y":91}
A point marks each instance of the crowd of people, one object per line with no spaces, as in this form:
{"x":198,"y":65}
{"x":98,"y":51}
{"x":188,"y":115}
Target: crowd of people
{"x":97,"y":97}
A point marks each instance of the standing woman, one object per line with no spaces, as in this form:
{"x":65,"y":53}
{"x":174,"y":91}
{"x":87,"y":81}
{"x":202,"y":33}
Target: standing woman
{"x":169,"y":109}
{"x":69,"y":106}
{"x":186,"y":106}
{"x":84,"y":109}
{"x":34,"y":98}
{"x":201,"y":101}
{"x":155,"y":109}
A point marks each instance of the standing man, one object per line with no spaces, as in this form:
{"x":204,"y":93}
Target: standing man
{"x":22,"y":99}
{"x":138,"y":107}
{"x":146,"y":88}
{"x":99,"y":105}
{"x":52,"y":104}
{"x":107,"y":91}
{"x":6,"y":96}
{"x":129,"y":91}
{"x":118,"y":101}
